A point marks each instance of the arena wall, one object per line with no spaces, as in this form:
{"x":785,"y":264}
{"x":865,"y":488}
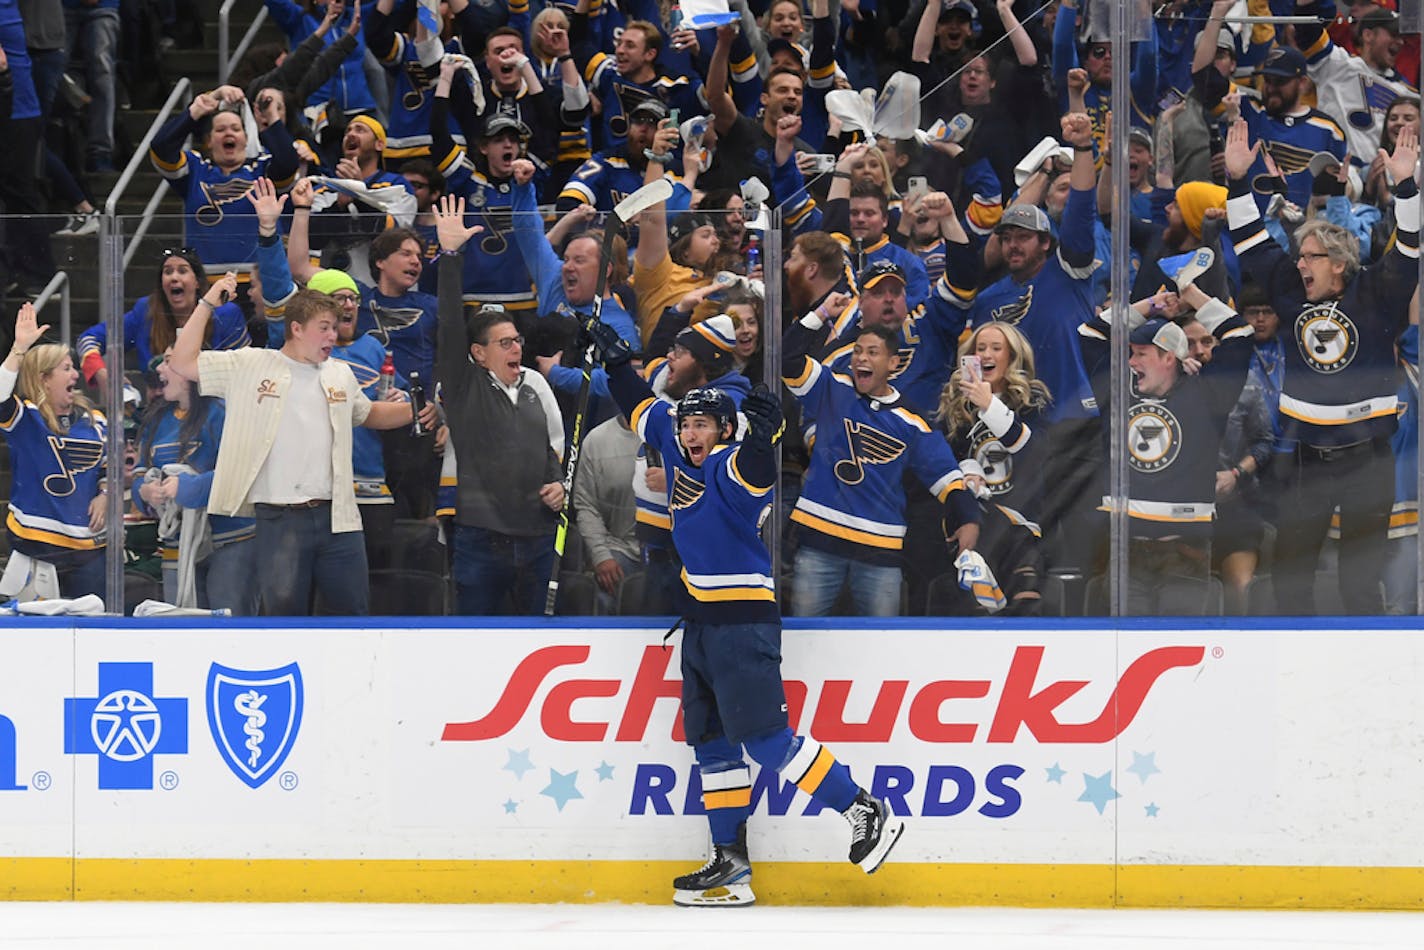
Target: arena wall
{"x":1074,"y":763}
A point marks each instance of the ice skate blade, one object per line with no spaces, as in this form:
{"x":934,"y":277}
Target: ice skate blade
{"x":725,"y":895}
{"x":889,"y":835}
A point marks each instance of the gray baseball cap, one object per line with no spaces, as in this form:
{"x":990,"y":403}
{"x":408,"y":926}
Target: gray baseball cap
{"x":1026,"y":216}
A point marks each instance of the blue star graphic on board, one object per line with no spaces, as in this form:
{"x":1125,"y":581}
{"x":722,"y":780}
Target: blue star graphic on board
{"x":562,"y":788}
{"x":1143,"y":766}
{"x":605,"y":772}
{"x":1055,"y":774}
{"x":1098,"y":790}
{"x":510,"y":806}
{"x":518,"y":763}
{"x":1152,"y":809}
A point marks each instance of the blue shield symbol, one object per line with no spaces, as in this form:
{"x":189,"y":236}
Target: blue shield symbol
{"x":254,"y":716}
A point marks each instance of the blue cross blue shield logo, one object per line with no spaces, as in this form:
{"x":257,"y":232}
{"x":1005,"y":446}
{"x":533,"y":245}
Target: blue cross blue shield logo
{"x":254,"y":716}
{"x":126,"y":725}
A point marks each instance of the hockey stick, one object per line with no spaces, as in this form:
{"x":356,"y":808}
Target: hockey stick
{"x":623,"y":212}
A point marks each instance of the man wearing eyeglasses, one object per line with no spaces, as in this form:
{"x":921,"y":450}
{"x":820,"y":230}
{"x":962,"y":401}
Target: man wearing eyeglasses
{"x":1339,"y":394}
{"x":507,"y":436}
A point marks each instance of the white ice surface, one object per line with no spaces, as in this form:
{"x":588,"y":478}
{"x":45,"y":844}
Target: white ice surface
{"x":130,"y":926}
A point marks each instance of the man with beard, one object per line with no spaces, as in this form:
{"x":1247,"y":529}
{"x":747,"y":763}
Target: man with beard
{"x":1290,"y":132}
{"x":858,"y":216}
{"x":1047,"y":296}
{"x":745,"y":146}
{"x":815,"y":270}
{"x":1187,"y":229}
{"x":610,"y":176}
{"x":346,"y":221}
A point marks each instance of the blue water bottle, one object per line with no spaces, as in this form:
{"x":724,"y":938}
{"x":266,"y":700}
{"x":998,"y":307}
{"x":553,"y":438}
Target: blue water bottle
{"x":753,"y":254}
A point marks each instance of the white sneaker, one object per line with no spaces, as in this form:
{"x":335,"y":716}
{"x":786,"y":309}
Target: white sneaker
{"x":80,"y":225}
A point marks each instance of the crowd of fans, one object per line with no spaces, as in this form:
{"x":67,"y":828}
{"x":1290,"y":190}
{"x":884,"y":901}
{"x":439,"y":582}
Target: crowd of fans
{"x":940,"y":172}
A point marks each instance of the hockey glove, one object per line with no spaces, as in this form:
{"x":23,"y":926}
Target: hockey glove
{"x":764,"y":419}
{"x":612,"y":348}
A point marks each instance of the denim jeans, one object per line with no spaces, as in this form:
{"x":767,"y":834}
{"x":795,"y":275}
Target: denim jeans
{"x":488,"y":566}
{"x":300,"y":554}
{"x":225,"y":579}
{"x":96,"y":31}
{"x":47,"y":66}
{"x":819,"y":577}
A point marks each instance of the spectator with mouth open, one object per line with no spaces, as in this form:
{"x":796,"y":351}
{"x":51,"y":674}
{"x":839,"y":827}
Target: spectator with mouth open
{"x":153,"y":323}
{"x":286,"y":451}
{"x":219,"y":224}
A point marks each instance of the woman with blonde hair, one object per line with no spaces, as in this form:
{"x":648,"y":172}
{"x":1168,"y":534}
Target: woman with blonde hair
{"x":988,"y":415}
{"x":56,"y":439}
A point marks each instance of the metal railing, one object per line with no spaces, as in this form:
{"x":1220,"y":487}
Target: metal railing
{"x":111,"y":204}
{"x":59,"y":283}
{"x":226,"y":61}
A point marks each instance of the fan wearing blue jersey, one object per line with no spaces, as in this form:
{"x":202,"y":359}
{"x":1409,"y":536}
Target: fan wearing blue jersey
{"x":1046,"y":294}
{"x":178,"y":445}
{"x":732,"y":695}
{"x":218,"y":223}
{"x":56,"y":440}
{"x":153,"y":324}
{"x":851,"y":511}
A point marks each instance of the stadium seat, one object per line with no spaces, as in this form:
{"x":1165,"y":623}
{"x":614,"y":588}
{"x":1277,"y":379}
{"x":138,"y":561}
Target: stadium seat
{"x":578,"y":595}
{"x":139,"y":587}
{"x":415,"y":546}
{"x":407,"y":593}
{"x":1197,"y":599}
{"x":632,"y":595}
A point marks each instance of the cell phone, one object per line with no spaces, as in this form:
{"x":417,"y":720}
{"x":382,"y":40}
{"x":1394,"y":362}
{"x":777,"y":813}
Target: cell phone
{"x":1170,"y":98}
{"x":821,"y":163}
{"x":919,"y":187}
{"x":970,"y":370}
{"x":672,"y":116}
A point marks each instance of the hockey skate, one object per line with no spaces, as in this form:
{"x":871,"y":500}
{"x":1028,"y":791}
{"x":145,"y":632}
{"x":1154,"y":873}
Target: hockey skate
{"x":724,"y":881}
{"x":873,"y":831}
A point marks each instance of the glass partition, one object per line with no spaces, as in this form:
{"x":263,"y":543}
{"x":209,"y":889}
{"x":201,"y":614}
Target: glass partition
{"x":1062,"y":343}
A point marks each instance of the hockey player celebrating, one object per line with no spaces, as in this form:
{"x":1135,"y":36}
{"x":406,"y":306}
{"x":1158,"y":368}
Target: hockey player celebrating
{"x":732,"y":695}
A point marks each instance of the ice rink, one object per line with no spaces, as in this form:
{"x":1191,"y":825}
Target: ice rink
{"x":131,"y":926}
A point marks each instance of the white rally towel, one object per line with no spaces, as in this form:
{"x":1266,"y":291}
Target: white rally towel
{"x":428,"y":48}
{"x":90,"y":605}
{"x":975,"y":577}
{"x":477,"y":88}
{"x":707,"y":14}
{"x":394,"y":201}
{"x":895,"y":113}
{"x":158,"y":608}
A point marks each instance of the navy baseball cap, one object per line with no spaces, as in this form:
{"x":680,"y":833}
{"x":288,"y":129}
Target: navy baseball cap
{"x":1284,"y":61}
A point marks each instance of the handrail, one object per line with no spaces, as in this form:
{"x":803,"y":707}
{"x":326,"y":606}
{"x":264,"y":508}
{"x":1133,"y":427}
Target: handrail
{"x":59,"y":282}
{"x":140,"y":155}
{"x":226,"y":61}
{"x":144,"y":221}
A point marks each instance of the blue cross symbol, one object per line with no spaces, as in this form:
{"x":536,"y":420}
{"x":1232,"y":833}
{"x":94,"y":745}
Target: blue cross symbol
{"x":126,"y":726}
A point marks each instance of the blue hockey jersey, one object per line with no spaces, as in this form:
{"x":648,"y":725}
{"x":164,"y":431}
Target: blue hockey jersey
{"x":55,"y":477}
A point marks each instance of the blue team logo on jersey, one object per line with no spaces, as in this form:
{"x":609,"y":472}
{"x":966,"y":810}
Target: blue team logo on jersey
{"x":254,"y":716}
{"x":126,"y":725}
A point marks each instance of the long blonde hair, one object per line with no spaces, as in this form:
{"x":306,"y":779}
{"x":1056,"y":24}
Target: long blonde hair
{"x":39,"y":362}
{"x":1022,"y":387}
